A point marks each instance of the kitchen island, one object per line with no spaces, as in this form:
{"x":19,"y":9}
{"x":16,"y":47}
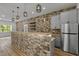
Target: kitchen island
{"x":32,"y":43}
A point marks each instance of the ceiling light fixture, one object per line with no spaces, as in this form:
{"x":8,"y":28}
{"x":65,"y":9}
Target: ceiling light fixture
{"x":13,"y":17}
{"x":38,"y":8}
{"x":25,"y":12}
{"x":17,"y":16}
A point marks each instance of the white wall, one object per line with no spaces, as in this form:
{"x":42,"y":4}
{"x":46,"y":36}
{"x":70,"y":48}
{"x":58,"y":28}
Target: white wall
{"x":5,"y":34}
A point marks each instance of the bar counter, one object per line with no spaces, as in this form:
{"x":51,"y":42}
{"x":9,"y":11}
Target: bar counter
{"x":32,"y":43}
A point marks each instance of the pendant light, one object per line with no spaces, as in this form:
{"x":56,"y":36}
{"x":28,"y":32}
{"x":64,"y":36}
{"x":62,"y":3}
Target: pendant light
{"x":13,"y":17}
{"x":38,"y":8}
{"x":25,"y":12}
{"x":17,"y":16}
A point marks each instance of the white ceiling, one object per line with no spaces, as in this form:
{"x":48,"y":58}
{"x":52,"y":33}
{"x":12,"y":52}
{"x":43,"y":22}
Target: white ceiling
{"x":6,"y":9}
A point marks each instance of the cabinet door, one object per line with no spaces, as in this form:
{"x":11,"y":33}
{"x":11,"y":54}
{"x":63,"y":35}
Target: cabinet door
{"x":73,"y":16}
{"x":64,"y":17}
{"x":55,"y":22}
{"x":74,"y":44}
{"x":70,"y":16}
{"x":78,"y":15}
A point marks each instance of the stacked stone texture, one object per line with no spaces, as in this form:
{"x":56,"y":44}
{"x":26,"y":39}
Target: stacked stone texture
{"x":32,"y":44}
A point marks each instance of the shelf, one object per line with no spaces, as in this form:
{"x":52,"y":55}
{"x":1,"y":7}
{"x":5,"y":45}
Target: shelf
{"x":32,"y":25}
{"x":32,"y":22}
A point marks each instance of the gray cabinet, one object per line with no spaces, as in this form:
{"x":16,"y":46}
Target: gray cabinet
{"x":55,"y":22}
{"x":78,"y":15}
{"x":70,"y":16}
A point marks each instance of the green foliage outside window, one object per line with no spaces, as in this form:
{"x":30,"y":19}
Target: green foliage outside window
{"x":5,"y":28}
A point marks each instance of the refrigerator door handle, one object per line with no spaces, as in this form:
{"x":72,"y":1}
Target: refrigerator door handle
{"x":71,"y":33}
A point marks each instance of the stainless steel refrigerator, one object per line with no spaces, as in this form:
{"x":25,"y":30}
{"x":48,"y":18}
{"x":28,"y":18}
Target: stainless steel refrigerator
{"x":69,"y":37}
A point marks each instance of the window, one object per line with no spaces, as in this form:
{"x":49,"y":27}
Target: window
{"x":5,"y":28}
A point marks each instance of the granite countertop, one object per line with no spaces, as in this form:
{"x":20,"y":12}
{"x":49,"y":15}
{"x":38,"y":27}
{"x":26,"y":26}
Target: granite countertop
{"x":40,"y":34}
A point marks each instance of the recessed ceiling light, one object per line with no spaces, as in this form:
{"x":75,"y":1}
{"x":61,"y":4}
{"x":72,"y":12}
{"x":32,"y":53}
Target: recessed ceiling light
{"x":44,"y":8}
{"x":32,"y":12}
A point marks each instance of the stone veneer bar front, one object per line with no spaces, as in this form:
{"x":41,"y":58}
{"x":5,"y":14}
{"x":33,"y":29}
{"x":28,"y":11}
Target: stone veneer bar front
{"x":32,"y":43}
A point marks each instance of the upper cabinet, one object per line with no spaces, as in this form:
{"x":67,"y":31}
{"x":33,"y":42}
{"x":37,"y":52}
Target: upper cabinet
{"x":55,"y":22}
{"x":78,"y":16}
{"x":70,"y":16}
